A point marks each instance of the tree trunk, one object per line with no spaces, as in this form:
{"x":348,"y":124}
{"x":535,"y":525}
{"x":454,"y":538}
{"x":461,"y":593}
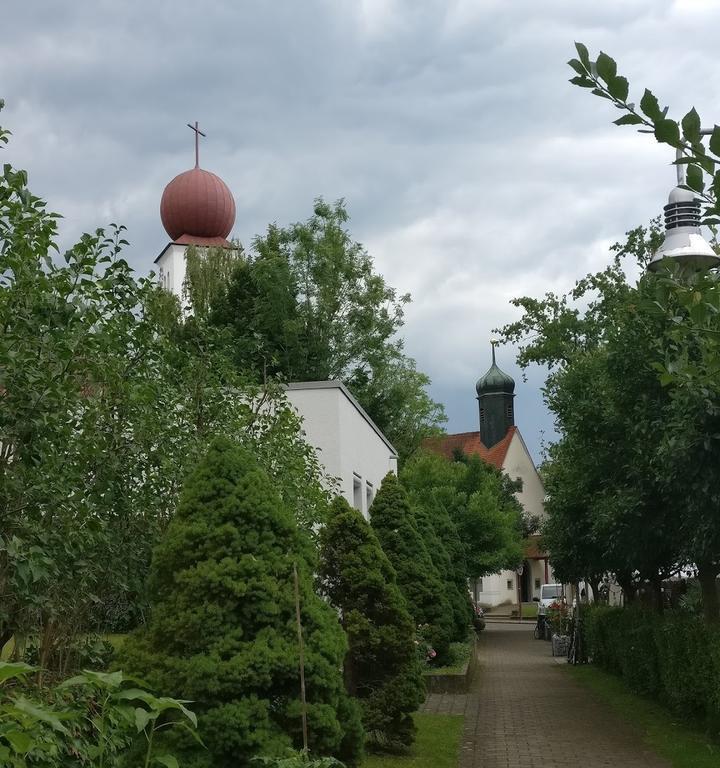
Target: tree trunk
{"x":657,"y":602}
{"x":707,"y":574}
{"x":625,"y":582}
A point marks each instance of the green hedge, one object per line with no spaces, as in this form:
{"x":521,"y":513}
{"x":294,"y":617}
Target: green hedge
{"x":675,"y":657}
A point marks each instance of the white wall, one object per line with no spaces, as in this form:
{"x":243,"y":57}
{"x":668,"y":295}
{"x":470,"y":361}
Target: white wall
{"x":495,"y":590}
{"x":170,"y":268}
{"x":348,"y":443}
{"x":519,"y":464}
{"x":320,"y":412}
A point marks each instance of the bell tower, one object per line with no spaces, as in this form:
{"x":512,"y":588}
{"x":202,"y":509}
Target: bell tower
{"x":495,"y":394}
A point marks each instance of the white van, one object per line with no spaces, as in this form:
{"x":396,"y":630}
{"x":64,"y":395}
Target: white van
{"x":549,"y":593}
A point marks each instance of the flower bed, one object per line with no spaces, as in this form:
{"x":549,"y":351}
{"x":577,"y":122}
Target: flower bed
{"x":454,"y":678}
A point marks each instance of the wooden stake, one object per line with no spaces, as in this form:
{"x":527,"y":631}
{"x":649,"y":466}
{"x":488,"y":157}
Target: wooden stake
{"x":302,"y":660}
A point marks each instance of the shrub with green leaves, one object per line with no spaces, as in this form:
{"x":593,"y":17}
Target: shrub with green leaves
{"x":674,"y":658}
{"x":381,"y":667}
{"x":393,"y":521}
{"x":94,"y":719}
{"x":222,"y":629}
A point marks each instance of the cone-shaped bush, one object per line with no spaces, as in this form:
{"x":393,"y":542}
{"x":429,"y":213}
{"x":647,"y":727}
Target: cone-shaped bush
{"x":381,"y":667}
{"x":393,"y":521}
{"x":222,"y":629}
{"x":440,"y":537}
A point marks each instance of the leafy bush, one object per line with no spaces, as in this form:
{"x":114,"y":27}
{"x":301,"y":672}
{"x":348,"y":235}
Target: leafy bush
{"x":296,"y":760}
{"x":674,"y":657}
{"x":381,"y":667}
{"x":222,"y":628}
{"x":93,"y":719}
{"x":85,"y":652}
{"x":393,"y":521}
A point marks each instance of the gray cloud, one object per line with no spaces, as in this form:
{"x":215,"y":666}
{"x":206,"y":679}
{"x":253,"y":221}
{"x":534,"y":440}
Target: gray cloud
{"x":473,"y":171}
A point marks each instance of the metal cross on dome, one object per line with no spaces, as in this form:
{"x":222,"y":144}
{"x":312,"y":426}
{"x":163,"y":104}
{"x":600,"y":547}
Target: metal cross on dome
{"x":198,"y":133}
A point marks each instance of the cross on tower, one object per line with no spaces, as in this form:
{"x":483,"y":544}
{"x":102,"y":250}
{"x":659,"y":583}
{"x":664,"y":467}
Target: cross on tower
{"x":198,"y":133}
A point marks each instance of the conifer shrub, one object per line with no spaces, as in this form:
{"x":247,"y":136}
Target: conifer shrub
{"x":382,"y":669}
{"x":393,"y":521}
{"x":441,"y":538}
{"x":222,"y":630}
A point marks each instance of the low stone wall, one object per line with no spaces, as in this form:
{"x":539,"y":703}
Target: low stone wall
{"x":453,"y":682}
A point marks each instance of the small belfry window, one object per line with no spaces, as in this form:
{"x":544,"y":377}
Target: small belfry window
{"x":509,"y":410}
{"x":482,"y":415}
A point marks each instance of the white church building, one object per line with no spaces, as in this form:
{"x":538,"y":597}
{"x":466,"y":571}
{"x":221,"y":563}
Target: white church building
{"x":197,"y":208}
{"x":500,"y":443}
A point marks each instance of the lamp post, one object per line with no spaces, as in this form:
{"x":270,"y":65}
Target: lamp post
{"x":519,"y":573}
{"x":684,"y":244}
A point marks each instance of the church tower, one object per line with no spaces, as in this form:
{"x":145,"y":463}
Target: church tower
{"x":197,"y":208}
{"x":495,"y":394}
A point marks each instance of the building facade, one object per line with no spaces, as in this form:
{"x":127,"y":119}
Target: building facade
{"x":348,"y":443}
{"x":499,"y":442}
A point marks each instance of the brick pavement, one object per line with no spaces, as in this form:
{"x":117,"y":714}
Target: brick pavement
{"x":525,"y":711}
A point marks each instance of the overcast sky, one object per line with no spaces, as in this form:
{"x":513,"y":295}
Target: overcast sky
{"x":472,"y":170}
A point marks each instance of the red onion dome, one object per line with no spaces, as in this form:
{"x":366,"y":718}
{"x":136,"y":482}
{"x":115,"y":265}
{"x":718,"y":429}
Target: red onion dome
{"x":197,"y":204}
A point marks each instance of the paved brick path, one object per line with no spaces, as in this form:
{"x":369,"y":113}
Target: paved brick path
{"x":525,"y":711}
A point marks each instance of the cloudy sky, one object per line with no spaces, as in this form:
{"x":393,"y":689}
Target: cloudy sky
{"x":472,"y":170}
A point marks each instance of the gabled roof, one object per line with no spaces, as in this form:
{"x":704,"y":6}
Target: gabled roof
{"x":470,"y":443}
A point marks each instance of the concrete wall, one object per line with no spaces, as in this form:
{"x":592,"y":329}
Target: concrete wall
{"x":348,"y":443}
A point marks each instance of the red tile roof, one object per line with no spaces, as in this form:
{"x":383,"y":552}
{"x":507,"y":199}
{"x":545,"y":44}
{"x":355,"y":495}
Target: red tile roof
{"x":534,"y":549}
{"x":470,"y":443}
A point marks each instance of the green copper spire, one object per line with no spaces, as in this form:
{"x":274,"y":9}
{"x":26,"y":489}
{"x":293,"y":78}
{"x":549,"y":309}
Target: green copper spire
{"x":495,"y":380}
{"x":495,"y":393}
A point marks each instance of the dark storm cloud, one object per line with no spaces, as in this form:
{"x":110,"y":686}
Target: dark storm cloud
{"x":473,"y":172}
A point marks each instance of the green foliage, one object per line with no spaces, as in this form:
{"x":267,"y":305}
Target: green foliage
{"x":297,"y":760}
{"x":696,"y":148}
{"x":207,"y":273}
{"x":674,"y":658}
{"x":474,"y":511}
{"x":381,"y":667}
{"x":615,"y":501}
{"x":93,"y":719}
{"x":306,"y":305}
{"x":108,"y":398}
{"x":393,"y":521}
{"x":222,"y":625}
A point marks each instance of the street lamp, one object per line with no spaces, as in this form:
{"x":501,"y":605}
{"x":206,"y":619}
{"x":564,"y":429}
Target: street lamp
{"x":684,"y":244}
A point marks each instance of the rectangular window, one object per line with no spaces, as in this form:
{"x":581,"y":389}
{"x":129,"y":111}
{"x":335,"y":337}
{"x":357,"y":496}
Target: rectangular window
{"x":509,"y":411}
{"x":479,"y":585}
{"x":369,"y":493}
{"x":357,"y":492}
{"x":482,"y":415}
{"x":537,"y":583}
{"x":509,"y":584}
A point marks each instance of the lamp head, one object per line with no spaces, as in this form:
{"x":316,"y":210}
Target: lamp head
{"x":684,"y":243}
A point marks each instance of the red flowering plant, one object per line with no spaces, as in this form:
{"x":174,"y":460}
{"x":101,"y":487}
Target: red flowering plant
{"x":559,"y":617}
